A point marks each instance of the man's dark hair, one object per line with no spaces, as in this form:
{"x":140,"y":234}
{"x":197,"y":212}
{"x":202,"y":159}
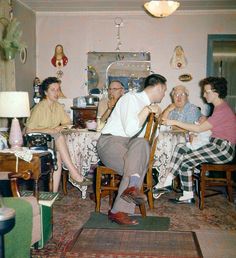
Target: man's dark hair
{"x":218,"y":84}
{"x":47,"y":82}
{"x":154,"y":79}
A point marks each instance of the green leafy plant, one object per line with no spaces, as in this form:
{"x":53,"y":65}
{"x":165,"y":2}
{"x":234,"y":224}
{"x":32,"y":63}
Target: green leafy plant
{"x":11,"y":40}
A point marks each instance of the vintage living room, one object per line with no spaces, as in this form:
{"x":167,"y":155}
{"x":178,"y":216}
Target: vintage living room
{"x":113,"y":114}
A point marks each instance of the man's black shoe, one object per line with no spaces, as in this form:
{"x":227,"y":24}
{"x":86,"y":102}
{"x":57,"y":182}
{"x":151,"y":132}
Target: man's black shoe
{"x":166,"y":189}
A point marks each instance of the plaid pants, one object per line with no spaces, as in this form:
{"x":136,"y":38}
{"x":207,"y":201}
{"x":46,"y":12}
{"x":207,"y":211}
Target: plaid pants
{"x":184,"y":160}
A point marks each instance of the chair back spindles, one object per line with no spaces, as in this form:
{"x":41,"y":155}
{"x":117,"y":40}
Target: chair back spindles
{"x":149,"y":126}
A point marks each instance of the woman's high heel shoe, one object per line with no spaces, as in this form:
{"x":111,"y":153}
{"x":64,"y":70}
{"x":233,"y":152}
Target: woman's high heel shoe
{"x":85,"y":182}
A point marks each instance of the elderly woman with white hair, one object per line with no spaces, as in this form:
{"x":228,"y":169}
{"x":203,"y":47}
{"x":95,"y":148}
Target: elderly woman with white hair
{"x":181,"y":109}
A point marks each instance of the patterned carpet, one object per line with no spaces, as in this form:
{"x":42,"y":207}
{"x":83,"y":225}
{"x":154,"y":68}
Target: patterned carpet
{"x":71,"y":212}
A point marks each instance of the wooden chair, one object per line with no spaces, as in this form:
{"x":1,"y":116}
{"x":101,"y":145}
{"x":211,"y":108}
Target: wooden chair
{"x":204,"y":181}
{"x":36,"y":233}
{"x":103,"y":190}
{"x":13,"y":177}
{"x":64,"y":179}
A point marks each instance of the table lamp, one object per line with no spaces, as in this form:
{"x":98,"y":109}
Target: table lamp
{"x":14,"y":104}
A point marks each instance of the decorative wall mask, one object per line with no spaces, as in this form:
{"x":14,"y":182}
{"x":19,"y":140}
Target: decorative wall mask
{"x":59,"y":59}
{"x":178,"y":60}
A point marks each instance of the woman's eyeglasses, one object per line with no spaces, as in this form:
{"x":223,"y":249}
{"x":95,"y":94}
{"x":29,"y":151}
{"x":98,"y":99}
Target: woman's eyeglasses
{"x":114,"y":89}
{"x":179,"y":94}
{"x":208,"y":91}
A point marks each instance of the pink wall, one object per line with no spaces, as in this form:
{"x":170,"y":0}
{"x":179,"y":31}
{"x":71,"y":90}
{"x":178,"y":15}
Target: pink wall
{"x":25,"y":73}
{"x":80,"y":33}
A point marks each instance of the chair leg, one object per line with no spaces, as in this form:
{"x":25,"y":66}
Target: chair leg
{"x":149,"y":188}
{"x":98,"y":189}
{"x":229,"y":185}
{"x":64,"y":181}
{"x":110,"y":198}
{"x":202,"y":188}
{"x":51,"y":181}
{"x":150,"y":199}
{"x":143,"y":210}
{"x":111,"y":193}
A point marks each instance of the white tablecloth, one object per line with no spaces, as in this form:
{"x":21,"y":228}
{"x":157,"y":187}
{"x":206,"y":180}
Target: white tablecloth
{"x":82,"y":148}
{"x":83,"y":151}
{"x":165,"y":147}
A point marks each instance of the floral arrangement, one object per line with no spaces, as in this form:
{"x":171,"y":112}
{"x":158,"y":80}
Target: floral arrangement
{"x":11,"y":41}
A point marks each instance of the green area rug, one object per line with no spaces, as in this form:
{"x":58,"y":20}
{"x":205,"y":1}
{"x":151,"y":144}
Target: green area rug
{"x":100,"y":220}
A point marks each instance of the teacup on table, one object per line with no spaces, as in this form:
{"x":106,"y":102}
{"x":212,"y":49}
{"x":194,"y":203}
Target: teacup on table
{"x":91,"y":125}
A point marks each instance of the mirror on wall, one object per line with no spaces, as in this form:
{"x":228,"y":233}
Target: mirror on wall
{"x":221,"y":61}
{"x":131,"y":73}
{"x":128,"y":67}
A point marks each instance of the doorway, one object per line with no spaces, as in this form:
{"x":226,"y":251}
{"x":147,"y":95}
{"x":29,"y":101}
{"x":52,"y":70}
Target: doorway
{"x":221,"y":62}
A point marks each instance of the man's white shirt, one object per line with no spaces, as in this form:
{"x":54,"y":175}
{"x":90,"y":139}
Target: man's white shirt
{"x":123,"y":120}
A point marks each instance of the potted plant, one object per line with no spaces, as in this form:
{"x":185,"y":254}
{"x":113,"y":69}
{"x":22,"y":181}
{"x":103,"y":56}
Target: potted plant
{"x":11,"y":40}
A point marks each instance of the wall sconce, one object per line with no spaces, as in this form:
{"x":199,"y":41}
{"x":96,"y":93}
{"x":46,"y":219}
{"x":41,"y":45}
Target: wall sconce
{"x":161,"y":8}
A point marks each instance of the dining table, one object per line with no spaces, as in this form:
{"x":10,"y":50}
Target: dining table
{"x":83,"y":151}
{"x":82,"y":148}
{"x":168,"y":138}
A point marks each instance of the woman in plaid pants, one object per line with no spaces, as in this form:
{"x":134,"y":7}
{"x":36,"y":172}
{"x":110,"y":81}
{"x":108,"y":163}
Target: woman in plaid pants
{"x":221,"y":147}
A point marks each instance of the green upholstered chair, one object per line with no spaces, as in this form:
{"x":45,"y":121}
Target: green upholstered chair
{"x":27,"y":230}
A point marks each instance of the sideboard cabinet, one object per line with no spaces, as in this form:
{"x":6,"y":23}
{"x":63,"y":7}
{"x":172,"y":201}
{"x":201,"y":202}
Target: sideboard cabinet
{"x":81,"y":115}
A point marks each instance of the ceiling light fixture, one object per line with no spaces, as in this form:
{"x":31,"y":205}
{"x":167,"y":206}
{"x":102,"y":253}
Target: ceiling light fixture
{"x":161,"y":8}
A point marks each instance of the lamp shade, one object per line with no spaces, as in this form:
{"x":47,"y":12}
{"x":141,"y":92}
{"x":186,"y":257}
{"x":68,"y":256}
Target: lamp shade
{"x":161,"y":8}
{"x":14,"y":104}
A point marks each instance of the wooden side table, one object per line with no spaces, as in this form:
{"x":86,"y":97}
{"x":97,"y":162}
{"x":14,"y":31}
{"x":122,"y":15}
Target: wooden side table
{"x":41,"y":164}
{"x":81,"y":115}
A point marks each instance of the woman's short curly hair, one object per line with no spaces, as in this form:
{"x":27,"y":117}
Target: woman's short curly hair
{"x":218,"y":84}
{"x":47,"y":82}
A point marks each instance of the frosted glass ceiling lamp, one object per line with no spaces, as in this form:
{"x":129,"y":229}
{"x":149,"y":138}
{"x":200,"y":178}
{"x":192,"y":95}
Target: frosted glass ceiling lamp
{"x":14,"y":104}
{"x":162,"y":8}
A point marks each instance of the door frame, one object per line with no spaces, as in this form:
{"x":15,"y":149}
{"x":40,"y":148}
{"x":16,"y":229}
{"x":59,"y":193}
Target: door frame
{"x":211,"y":39}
